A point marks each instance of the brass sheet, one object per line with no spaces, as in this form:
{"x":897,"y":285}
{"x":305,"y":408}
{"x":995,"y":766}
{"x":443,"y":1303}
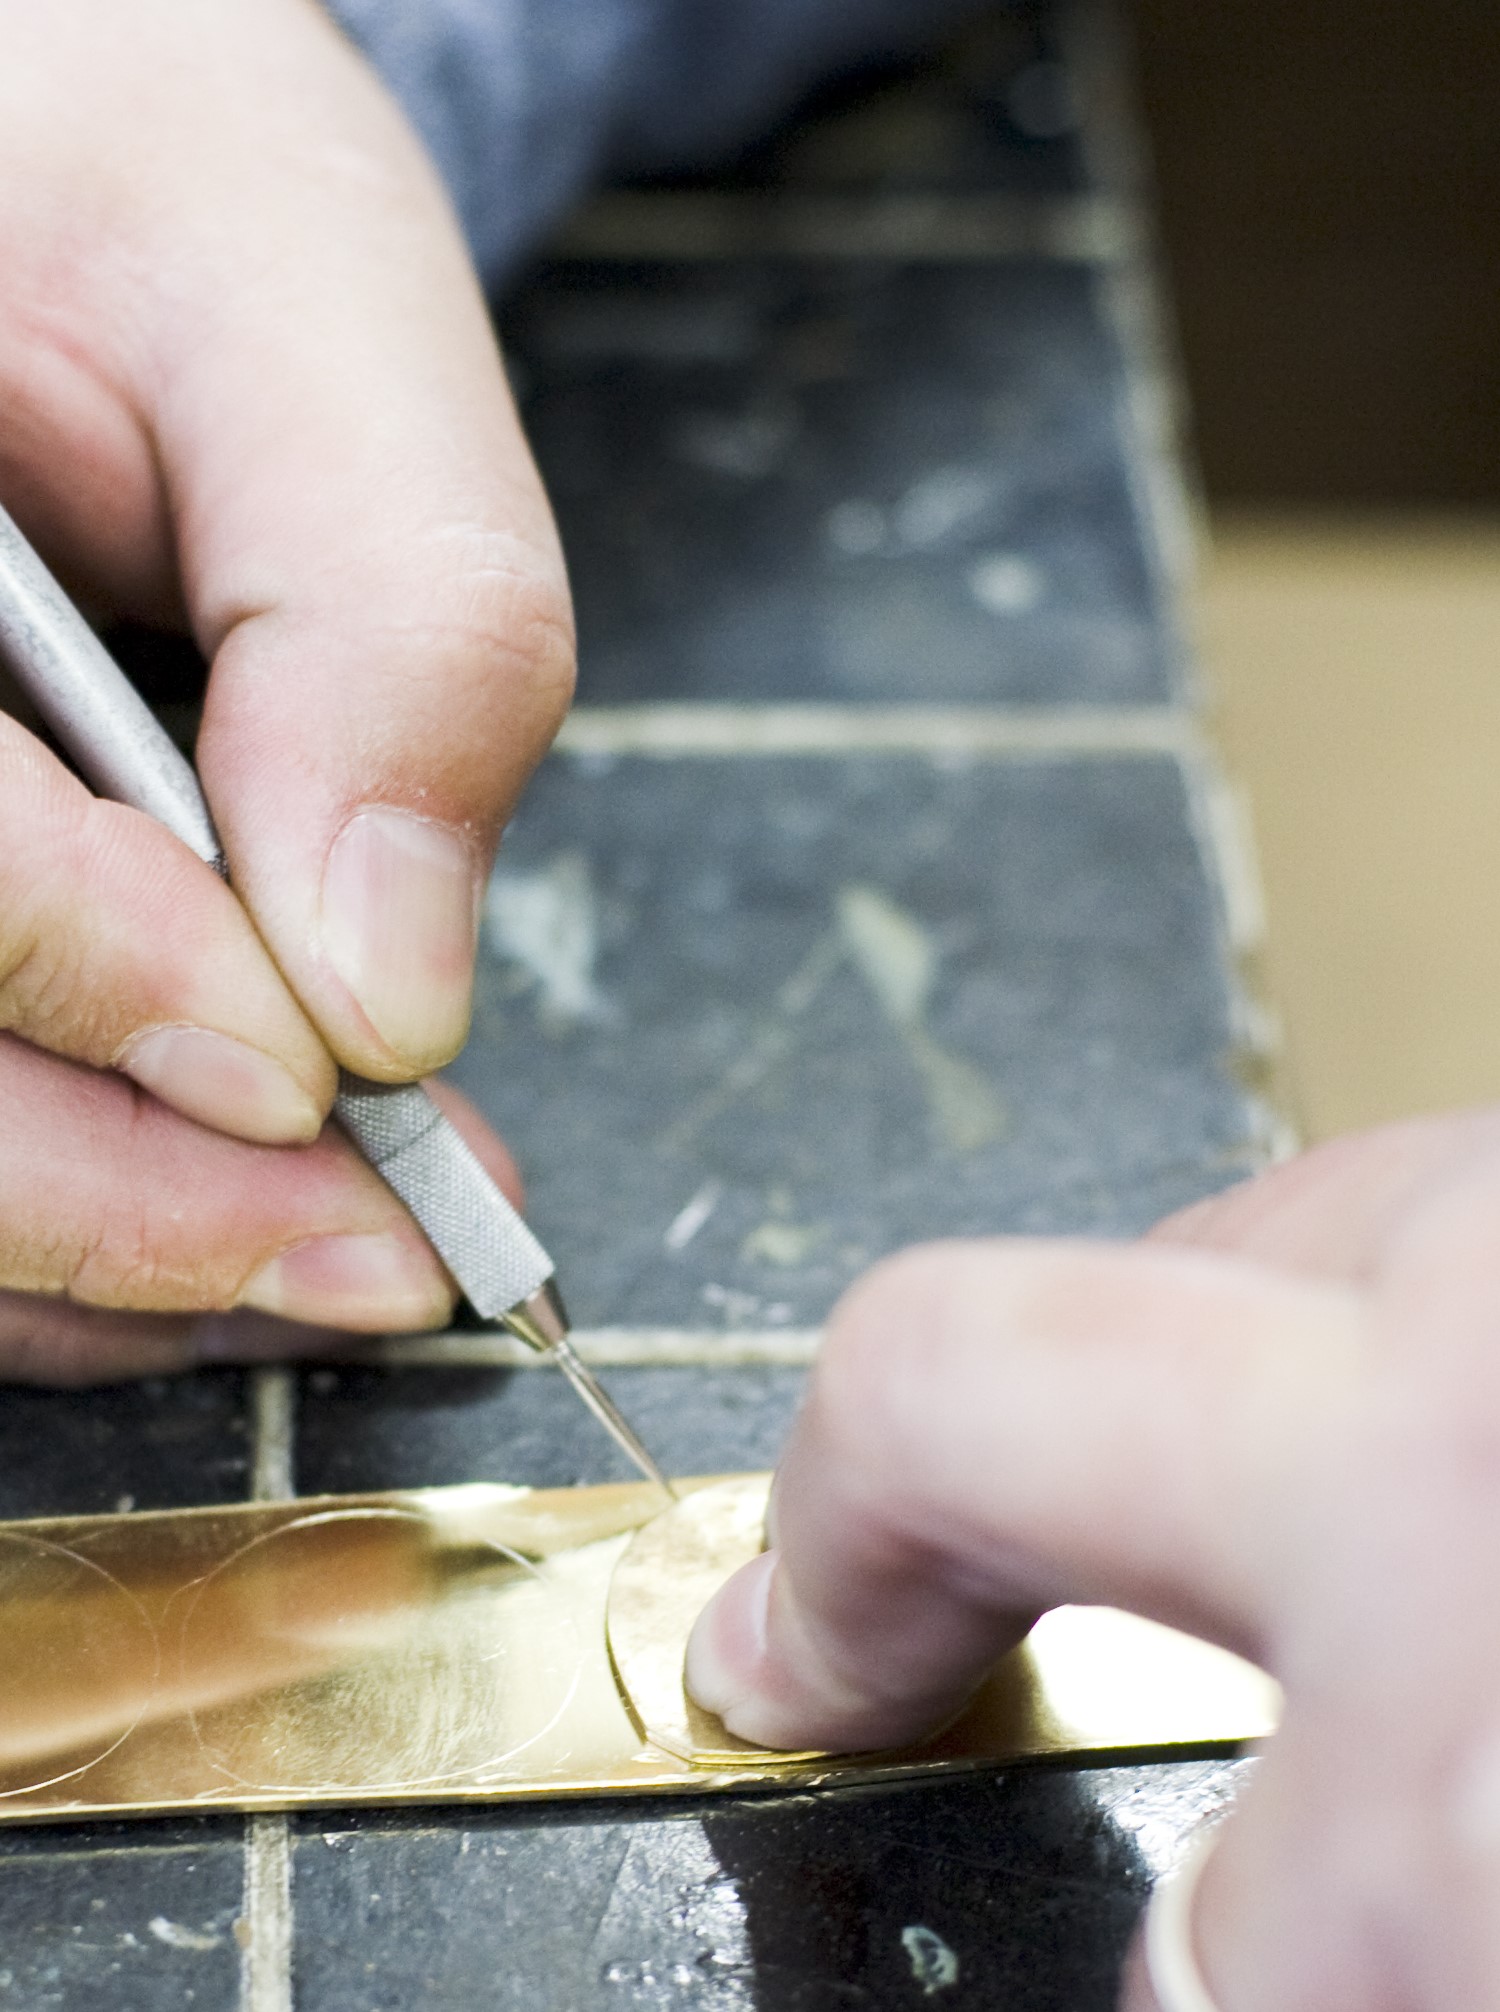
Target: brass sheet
{"x":451,"y":1645}
{"x":1086,"y":1678}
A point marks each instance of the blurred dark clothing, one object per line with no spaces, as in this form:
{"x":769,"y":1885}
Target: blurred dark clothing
{"x":524,"y":103}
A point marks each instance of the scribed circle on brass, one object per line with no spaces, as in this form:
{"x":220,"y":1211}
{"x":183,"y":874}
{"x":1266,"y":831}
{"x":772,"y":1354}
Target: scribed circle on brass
{"x":345,"y":1651}
{"x":79,"y":1664}
{"x":669,"y":1571}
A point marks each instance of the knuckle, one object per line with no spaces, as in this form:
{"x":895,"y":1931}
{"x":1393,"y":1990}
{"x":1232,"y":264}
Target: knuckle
{"x":893,"y":1305}
{"x":138,"y":1254}
{"x":95,"y":1204}
{"x":909,"y":1336}
{"x":877,"y":1348}
{"x":538,"y":613}
{"x":524,"y":628}
{"x":46,"y":995}
{"x":125,"y":1264}
{"x":502,"y":605}
{"x":70,"y":868}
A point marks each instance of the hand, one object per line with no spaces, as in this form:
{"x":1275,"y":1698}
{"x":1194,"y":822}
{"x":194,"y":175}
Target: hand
{"x":247,"y":380}
{"x":1276,"y":1423}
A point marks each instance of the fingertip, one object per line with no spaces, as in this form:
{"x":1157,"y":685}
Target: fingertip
{"x":225,"y":1084}
{"x":751,"y":1661}
{"x":726,"y":1650}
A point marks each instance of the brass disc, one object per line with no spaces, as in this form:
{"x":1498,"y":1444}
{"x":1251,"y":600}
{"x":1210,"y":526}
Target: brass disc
{"x":669,"y":1571}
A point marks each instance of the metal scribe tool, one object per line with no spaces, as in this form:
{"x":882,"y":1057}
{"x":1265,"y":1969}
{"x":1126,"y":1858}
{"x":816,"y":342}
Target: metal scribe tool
{"x":126,"y":754}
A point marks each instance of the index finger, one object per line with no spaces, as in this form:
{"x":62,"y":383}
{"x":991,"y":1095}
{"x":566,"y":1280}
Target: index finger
{"x":1330,"y":1212}
{"x":998,"y":1428}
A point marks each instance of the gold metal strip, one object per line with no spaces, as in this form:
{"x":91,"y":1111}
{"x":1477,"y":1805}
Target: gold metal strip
{"x":454,"y":1645}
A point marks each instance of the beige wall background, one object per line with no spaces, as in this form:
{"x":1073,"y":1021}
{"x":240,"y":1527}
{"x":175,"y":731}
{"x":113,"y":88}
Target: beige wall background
{"x":1354,"y":666}
{"x":1329,"y":194}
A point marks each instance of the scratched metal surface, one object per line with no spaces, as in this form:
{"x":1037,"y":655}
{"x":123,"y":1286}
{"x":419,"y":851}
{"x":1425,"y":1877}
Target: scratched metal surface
{"x":986,"y":994}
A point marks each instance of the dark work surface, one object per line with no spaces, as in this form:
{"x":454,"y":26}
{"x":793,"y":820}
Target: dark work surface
{"x":851,"y":1003}
{"x":841,"y":481}
{"x":1016,"y":1890}
{"x":364,"y":1430}
{"x":130,"y":1918}
{"x":995,"y":112}
{"x":162,"y":1444}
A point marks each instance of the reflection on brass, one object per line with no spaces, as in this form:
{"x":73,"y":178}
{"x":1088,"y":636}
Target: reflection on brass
{"x":669,"y":1571}
{"x":452,"y":1644}
{"x":1086,"y":1679}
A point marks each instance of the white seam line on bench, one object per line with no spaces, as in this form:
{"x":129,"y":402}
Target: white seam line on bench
{"x":266,"y":1937}
{"x":603,"y":1347}
{"x":918,"y":228}
{"x":266,"y":1955}
{"x":667,"y":731}
{"x":273,"y":1401}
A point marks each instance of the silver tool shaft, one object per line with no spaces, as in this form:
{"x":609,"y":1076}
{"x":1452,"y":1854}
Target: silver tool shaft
{"x":127,"y":755}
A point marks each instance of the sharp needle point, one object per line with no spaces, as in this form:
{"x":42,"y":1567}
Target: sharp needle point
{"x":594,"y":1396}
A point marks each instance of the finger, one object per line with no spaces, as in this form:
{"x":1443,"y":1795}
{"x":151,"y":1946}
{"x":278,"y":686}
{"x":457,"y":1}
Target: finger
{"x":1292,"y":1910}
{"x":55,"y":1343}
{"x":120,"y":949}
{"x":994,"y":1428}
{"x":367,"y":558}
{"x":1362,"y":1869}
{"x":111,"y":1200}
{"x":1329,"y":1212}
